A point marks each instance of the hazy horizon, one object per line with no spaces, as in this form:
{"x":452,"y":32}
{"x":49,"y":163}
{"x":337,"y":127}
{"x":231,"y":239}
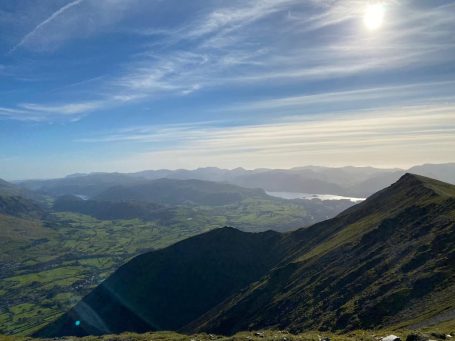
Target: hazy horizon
{"x":222,"y":168}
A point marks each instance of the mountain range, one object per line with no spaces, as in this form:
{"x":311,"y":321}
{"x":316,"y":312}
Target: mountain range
{"x":388,"y":261}
{"x":345,"y":181}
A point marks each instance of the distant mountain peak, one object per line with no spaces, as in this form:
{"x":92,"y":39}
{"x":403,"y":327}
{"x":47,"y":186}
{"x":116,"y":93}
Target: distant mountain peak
{"x":409,"y":189}
{"x":224,"y":231}
{"x":75,"y":175}
{"x":411,"y":177}
{"x":410,"y":180}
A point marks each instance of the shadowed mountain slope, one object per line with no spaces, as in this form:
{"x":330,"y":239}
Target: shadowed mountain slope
{"x":386,"y":261}
{"x":166,"y":289}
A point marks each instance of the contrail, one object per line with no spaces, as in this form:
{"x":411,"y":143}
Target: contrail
{"x":45,"y":22}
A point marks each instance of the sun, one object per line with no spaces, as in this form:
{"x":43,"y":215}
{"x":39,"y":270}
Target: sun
{"x":374,"y":16}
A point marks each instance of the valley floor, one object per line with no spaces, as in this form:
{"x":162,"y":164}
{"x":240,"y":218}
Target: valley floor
{"x":72,"y":253}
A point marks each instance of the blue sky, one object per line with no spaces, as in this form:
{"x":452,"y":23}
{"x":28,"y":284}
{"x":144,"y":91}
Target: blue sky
{"x":126,"y":85}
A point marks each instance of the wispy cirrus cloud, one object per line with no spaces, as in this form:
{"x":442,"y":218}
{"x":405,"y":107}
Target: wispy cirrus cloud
{"x":224,"y":55}
{"x":74,"y":20}
{"x":250,"y":43}
{"x":42,"y":24}
{"x":257,"y":83}
{"x":394,"y":136}
{"x":64,"y":109}
{"x":429,"y":92}
{"x":45,"y":112}
{"x":235,"y":17}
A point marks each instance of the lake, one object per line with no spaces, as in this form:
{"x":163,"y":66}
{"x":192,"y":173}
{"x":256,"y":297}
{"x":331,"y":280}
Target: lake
{"x":292,"y":195}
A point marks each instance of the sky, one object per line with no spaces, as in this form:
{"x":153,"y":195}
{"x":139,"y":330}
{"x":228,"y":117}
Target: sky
{"x":128,"y":85}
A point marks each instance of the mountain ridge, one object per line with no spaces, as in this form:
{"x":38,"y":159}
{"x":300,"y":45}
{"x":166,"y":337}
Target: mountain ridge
{"x":357,"y":270}
{"x":211,"y":279}
{"x":340,"y":282}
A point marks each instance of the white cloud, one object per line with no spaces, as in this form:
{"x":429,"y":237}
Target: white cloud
{"x":77,"y":19}
{"x":42,"y":24}
{"x":235,"y":16}
{"x":437,"y":91}
{"x":220,"y":55}
{"x":402,"y":135}
{"x":250,"y":43}
{"x":63,"y":109}
{"x":50,"y":112}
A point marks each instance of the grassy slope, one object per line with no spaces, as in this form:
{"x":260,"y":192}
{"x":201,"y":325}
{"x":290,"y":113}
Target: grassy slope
{"x":46,"y":267}
{"x":384,"y":217}
{"x":18,"y":202}
{"x":168,"y":288}
{"x":357,"y":270}
{"x":387,"y":261}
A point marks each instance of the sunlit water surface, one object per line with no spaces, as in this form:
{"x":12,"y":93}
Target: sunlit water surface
{"x":291,"y":195}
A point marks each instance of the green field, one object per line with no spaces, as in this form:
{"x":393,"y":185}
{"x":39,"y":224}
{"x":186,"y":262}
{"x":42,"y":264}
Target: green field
{"x":74,"y":254}
{"x":46,"y":267}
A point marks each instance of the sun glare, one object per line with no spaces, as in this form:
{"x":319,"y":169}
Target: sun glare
{"x":374,"y":16}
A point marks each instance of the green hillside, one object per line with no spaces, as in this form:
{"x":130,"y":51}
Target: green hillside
{"x":166,"y":289}
{"x":46,"y":266}
{"x":19,"y":202}
{"x":177,"y":192}
{"x":108,"y":210}
{"x":20,"y":224}
{"x":49,"y":262}
{"x":388,"y":261}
